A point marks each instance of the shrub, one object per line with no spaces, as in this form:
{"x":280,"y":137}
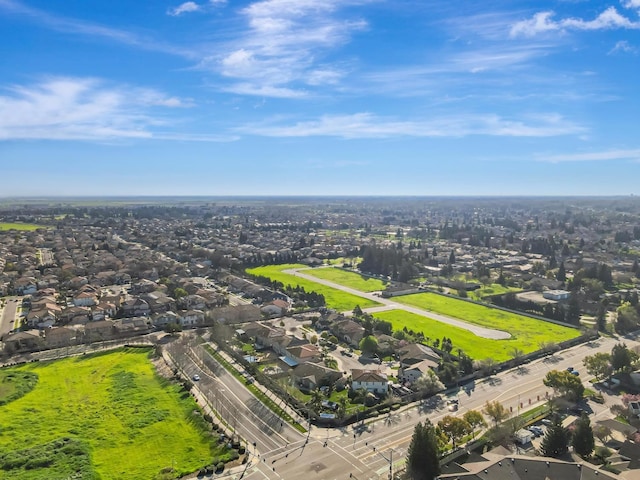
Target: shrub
{"x":219,"y":467}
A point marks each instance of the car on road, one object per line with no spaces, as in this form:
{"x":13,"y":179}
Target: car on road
{"x":196,"y":377}
{"x":575,"y":372}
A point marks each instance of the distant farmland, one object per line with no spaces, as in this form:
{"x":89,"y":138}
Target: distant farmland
{"x":20,"y":226}
{"x":340,"y":301}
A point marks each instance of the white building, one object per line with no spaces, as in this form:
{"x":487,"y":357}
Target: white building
{"x":373,"y":381}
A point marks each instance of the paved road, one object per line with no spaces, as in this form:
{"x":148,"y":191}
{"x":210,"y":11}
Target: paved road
{"x":8,"y":316}
{"x":335,"y":453}
{"x":475,"y":329}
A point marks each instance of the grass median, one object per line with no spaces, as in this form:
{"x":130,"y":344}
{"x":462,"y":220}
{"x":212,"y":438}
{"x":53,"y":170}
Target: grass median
{"x":259,"y":394}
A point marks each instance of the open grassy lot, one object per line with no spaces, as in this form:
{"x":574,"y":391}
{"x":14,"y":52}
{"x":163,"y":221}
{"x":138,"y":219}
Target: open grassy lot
{"x":337,"y":299}
{"x":20,"y":226}
{"x":476,"y":347}
{"x":527,"y":332}
{"x":348,"y":279}
{"x":106,"y":416}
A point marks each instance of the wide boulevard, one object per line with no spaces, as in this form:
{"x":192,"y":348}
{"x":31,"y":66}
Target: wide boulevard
{"x":366,"y":450}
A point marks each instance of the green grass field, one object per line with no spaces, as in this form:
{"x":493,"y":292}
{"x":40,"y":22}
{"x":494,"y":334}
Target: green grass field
{"x":336,"y":299}
{"x":527,"y":332}
{"x":348,"y":279}
{"x":20,"y":226}
{"x":113,"y":411}
{"x":491,"y":289}
{"x":477,"y":348}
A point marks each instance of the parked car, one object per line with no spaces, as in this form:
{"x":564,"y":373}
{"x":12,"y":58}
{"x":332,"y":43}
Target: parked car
{"x":196,"y":377}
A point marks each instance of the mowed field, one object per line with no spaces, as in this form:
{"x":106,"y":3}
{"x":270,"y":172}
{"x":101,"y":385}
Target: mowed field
{"x":20,"y":226}
{"x":348,"y":279}
{"x":134,"y":423}
{"x":527,"y":333}
{"x":341,"y":301}
{"x":476,"y":347}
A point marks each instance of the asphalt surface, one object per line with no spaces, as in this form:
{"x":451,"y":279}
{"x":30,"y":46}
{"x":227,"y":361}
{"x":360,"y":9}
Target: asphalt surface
{"x":325,"y":454}
{"x":8,"y":317}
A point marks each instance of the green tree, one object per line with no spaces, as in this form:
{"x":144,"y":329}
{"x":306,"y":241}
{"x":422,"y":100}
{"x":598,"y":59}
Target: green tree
{"x":603,"y":453}
{"x":627,"y":318}
{"x":428,"y":383}
{"x":496,"y":412}
{"x":475,"y":420}
{"x":561,"y":276}
{"x":369,"y":344}
{"x":582,"y":440}
{"x":423,"y":461}
{"x":598,"y":365}
{"x":316,"y":399}
{"x":556,"y":441}
{"x":342,"y":407}
{"x":179,"y":293}
{"x":357,"y":311}
{"x":172,"y":328}
{"x":454,"y":428}
{"x":565,"y":384}
{"x":622,"y":358}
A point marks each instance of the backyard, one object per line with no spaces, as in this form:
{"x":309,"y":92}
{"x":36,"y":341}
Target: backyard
{"x":106,"y":415}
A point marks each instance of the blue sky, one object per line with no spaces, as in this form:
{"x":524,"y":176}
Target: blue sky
{"x":295,"y":97}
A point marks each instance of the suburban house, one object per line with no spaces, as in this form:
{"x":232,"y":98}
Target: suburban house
{"x":59,"y":337}
{"x":494,"y":466}
{"x":85,"y":299}
{"x":304,"y":353}
{"x":191,"y":318}
{"x":348,"y":331}
{"x":165,"y":318}
{"x":309,"y":376}
{"x":135,"y":307}
{"x":99,"y":331}
{"x":373,"y":381}
{"x":415,"y":360}
{"x":22,"y":342}
{"x":277,"y":307}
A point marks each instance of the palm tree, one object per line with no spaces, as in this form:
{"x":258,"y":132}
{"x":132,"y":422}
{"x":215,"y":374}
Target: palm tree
{"x":316,"y":399}
{"x":342,"y":407}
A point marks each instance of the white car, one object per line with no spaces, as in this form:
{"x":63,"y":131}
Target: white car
{"x":196,"y":377}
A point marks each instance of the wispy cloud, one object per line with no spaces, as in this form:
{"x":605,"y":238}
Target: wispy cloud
{"x":188,"y":7}
{"x":367,"y":125}
{"x":86,"y":109}
{"x":80,"y":27}
{"x":608,"y":155}
{"x":185,"y":7}
{"x":624,"y":47}
{"x":282,"y":44}
{"x":542,"y":22}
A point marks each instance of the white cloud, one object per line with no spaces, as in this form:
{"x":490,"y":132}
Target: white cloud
{"x":543,"y":22}
{"x":85,"y":109}
{"x":185,"y":7}
{"x":630,"y":3}
{"x":367,"y":125}
{"x":283,"y":43}
{"x":608,"y":155}
{"x":623,"y":46}
{"x":88,"y":29}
